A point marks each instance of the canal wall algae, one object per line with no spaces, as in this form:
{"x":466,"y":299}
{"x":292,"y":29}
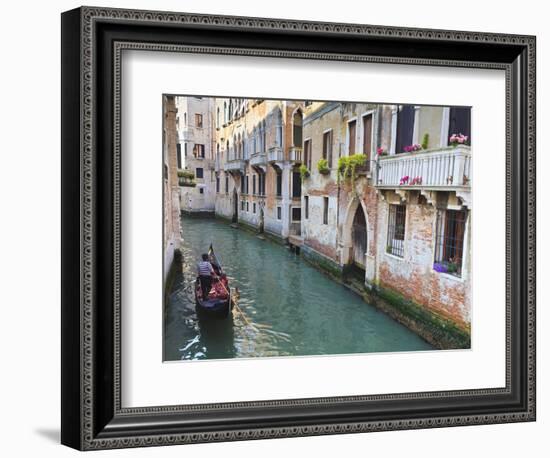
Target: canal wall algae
{"x":438,"y":330}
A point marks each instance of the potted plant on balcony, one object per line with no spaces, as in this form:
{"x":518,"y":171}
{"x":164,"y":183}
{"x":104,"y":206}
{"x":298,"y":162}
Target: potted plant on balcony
{"x":381,"y":152}
{"x":412,"y":148}
{"x":348,"y":166}
{"x":322,"y":167}
{"x":425,"y":141}
{"x":186,"y":178}
{"x":304,"y":172}
{"x":458,"y":139}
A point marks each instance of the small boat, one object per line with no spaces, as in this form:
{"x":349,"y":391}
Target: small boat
{"x":218,"y":304}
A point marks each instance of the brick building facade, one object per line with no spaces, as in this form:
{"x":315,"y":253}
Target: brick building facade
{"x":171,"y":223}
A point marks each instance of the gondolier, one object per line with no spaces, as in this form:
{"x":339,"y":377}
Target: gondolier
{"x":212,"y":293}
{"x":205,"y":271}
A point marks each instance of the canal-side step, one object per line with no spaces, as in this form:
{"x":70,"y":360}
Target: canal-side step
{"x":234,"y":225}
{"x":356,"y":285}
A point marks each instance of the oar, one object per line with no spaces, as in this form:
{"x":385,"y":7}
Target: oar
{"x":236,"y":305}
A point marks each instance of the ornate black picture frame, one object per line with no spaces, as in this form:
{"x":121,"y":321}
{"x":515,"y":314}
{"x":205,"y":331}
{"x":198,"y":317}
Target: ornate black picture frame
{"x":92,"y":42}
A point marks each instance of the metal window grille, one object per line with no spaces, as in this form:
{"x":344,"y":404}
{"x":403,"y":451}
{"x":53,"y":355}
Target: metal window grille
{"x":325,"y":210}
{"x":396,"y":230}
{"x":449,"y":244}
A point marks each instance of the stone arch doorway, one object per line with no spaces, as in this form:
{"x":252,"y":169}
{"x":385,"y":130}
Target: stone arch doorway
{"x":359,"y":238}
{"x":235,"y":217}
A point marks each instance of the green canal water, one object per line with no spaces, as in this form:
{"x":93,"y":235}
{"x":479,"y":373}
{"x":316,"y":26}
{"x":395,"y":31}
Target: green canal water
{"x":291,"y":308}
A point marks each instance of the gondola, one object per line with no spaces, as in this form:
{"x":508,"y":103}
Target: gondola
{"x":218,"y":304}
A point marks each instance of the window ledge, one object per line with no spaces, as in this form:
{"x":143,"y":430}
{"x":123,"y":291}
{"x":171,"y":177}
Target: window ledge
{"x":450,"y":276}
{"x":394,"y":256}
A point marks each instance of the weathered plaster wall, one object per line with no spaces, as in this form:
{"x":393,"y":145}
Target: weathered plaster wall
{"x":172,"y":227}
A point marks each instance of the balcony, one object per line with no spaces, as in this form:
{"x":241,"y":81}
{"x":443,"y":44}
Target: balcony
{"x":187,"y":135}
{"x":210,"y":164}
{"x":258,"y":159}
{"x":275,"y":154}
{"x":437,"y":170}
{"x":235,"y":166}
{"x":295,"y":154}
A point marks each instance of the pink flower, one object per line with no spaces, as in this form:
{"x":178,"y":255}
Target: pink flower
{"x":459,"y":139}
{"x":412,"y":148}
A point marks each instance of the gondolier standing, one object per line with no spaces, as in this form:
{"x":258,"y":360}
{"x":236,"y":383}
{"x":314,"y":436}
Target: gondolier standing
{"x":205,"y":271}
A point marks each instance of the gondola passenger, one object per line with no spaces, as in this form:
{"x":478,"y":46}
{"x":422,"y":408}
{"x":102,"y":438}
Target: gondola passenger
{"x":205,"y":271}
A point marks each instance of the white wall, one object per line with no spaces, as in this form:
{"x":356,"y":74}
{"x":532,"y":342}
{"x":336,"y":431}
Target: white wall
{"x":30,"y":289}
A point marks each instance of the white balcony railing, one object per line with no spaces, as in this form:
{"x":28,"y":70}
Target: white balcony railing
{"x":235,"y":165}
{"x":187,"y":135}
{"x":443,"y":169}
{"x":295,"y":154}
{"x":275,"y":154}
{"x":258,"y":159}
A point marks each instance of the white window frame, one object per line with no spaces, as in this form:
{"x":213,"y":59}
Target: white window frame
{"x":394,"y":112}
{"x":416,"y":124}
{"x":445,"y":120}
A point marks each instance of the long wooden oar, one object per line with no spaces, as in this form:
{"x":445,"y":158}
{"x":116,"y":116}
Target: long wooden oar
{"x":235,"y":304}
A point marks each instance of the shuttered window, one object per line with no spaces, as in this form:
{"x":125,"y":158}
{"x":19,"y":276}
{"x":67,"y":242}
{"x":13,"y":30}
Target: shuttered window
{"x":352,"y":132}
{"x":405,"y":126}
{"x":327,"y":147}
{"x":367,"y":138}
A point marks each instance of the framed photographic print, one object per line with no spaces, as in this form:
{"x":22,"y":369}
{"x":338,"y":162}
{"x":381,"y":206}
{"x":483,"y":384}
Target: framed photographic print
{"x":278,"y":228}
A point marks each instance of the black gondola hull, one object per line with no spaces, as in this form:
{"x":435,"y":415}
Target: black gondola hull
{"x":215,"y":309}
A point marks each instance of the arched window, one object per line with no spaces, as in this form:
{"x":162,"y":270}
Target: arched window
{"x":225,"y":113}
{"x":253,"y":142}
{"x":227,"y":149}
{"x":218,"y":117}
{"x":279,"y":128}
{"x":297,"y":128}
{"x":239,"y":148}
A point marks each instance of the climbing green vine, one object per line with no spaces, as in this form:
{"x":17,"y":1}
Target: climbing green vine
{"x":347,"y":166}
{"x":304,"y":172}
